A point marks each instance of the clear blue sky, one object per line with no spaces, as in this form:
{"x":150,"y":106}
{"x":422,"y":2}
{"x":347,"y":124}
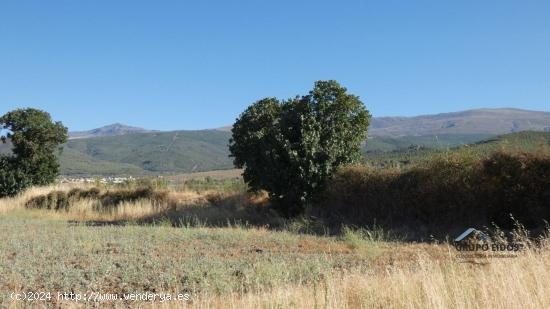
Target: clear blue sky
{"x":198,"y":64}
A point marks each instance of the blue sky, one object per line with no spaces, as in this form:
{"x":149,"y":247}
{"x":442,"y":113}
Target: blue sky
{"x":198,"y":64}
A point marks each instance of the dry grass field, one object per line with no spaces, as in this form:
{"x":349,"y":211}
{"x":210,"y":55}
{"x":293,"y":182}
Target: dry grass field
{"x":228,"y":251}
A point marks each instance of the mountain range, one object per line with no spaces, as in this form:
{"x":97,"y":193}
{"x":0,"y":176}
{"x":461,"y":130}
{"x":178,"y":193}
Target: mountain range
{"x":120,"y":149}
{"x":476,"y":121}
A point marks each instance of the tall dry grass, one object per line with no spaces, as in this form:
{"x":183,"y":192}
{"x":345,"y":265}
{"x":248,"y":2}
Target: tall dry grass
{"x":424,"y":282}
{"x":123,"y":204}
{"x":8,"y":204}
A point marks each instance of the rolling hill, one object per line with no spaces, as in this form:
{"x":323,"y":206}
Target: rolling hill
{"x":75,"y":163}
{"x":385,"y":144}
{"x":124,"y":150}
{"x":147,"y":153}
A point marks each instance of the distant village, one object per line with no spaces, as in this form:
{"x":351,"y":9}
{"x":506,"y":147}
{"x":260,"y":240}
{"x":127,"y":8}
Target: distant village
{"x":105,"y":180}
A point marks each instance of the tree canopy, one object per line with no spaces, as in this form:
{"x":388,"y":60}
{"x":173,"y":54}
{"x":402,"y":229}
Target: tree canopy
{"x":290,"y":148}
{"x":36,"y":140}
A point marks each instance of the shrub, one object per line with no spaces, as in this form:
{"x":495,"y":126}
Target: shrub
{"x":517,"y":185}
{"x":60,"y":200}
{"x":37,"y":202}
{"x":452,"y":191}
{"x":115,"y":197}
{"x":78,"y":194}
{"x":55,"y":200}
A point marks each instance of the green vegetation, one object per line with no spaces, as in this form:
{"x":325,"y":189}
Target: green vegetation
{"x":147,"y":153}
{"x":35,"y":138}
{"x":119,"y":155}
{"x":388,"y":144}
{"x":75,"y":163}
{"x":140,"y":152}
{"x":132,"y":155}
{"x":527,"y":141}
{"x":291,"y":148}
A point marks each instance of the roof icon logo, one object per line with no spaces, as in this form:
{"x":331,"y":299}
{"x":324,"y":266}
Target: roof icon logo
{"x":472,"y":233}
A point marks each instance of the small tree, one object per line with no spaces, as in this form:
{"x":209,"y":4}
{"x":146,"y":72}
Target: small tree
{"x":36,"y":139}
{"x":291,"y":148}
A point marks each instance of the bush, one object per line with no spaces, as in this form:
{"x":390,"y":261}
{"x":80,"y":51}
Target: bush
{"x":77,"y":194}
{"x":55,"y":200}
{"x":453,"y":191}
{"x":517,"y":185}
{"x":59,"y":200}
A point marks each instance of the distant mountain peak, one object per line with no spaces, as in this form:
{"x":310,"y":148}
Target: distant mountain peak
{"x":117,"y":124}
{"x":113,"y":129}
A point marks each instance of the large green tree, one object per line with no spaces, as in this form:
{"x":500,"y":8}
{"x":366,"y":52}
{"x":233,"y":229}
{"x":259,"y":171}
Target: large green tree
{"x":290,"y":148}
{"x":36,"y":140}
